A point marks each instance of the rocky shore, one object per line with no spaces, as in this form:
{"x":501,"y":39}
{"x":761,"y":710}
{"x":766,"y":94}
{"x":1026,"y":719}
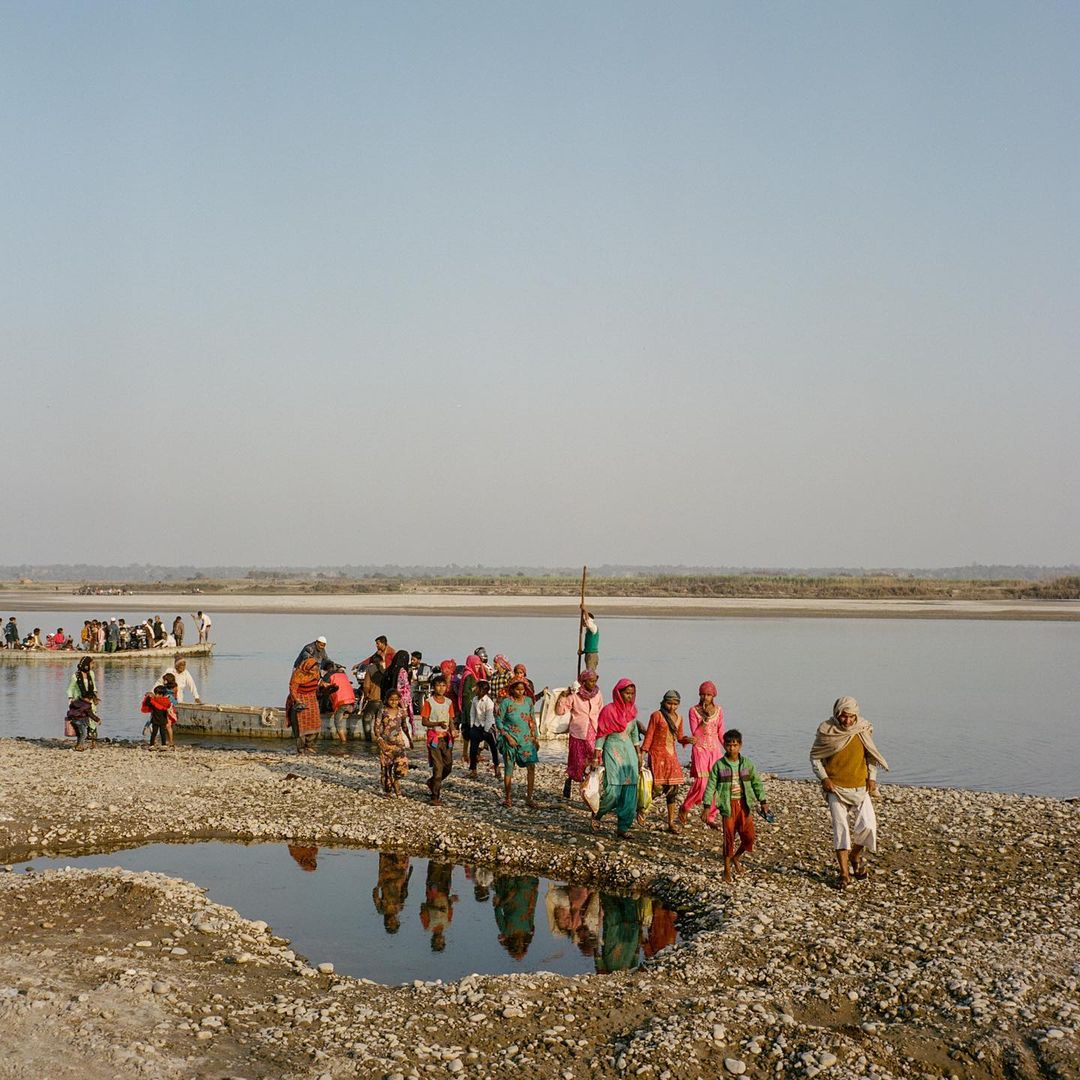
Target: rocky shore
{"x":960,"y":957}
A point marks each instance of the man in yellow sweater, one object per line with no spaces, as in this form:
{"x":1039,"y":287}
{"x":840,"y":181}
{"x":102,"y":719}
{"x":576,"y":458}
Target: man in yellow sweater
{"x":846,"y":761}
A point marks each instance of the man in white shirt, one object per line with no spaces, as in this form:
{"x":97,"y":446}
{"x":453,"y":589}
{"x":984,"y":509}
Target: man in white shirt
{"x":184,"y":681}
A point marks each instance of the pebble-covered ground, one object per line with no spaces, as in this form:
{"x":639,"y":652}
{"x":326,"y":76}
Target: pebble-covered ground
{"x":960,"y":957}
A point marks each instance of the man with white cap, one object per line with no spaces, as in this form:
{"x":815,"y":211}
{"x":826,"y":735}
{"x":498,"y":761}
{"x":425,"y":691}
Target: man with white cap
{"x":184,"y":681}
{"x":314,"y":650}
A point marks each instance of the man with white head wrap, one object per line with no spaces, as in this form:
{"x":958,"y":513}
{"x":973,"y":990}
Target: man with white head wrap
{"x":846,"y":761}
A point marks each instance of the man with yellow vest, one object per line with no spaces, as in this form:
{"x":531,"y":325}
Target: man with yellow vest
{"x":846,"y":761}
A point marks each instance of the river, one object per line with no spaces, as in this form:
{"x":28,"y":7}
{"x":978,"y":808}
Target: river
{"x":984,"y":705}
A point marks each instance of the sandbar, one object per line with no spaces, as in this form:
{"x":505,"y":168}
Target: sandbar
{"x":440,"y":603}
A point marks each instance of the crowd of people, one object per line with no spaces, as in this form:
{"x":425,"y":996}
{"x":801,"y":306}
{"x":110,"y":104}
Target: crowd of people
{"x":159,"y":704}
{"x":113,"y":635}
{"x":620,"y":760}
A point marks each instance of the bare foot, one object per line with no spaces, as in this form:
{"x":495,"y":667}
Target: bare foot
{"x":532,"y":804}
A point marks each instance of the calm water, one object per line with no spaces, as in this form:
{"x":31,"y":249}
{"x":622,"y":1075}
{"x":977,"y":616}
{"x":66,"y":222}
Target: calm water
{"x":972,"y":704}
{"x":393,"y":918}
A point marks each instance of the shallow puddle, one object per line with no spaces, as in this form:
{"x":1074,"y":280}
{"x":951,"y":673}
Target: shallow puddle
{"x":394,"y":918}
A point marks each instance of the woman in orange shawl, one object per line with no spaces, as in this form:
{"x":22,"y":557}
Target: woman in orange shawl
{"x":302,"y":705}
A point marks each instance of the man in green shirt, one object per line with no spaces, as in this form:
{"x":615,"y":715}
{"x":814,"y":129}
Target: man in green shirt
{"x":591,"y":648}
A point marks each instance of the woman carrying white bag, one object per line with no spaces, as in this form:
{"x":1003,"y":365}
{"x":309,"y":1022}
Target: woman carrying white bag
{"x":618,"y":750}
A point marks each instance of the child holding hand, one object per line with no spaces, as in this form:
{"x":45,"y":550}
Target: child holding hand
{"x":732,"y":781}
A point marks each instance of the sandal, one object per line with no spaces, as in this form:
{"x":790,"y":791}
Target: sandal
{"x":860,"y":872}
{"x":844,"y":883}
{"x":532,"y":804}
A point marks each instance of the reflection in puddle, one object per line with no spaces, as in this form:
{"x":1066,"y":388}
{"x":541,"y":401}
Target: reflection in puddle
{"x":466,"y":919}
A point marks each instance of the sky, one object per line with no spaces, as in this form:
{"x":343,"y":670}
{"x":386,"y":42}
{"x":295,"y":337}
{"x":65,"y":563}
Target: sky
{"x":550,"y":284}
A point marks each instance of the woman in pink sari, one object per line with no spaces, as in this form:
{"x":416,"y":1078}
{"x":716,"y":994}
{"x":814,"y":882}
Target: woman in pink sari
{"x":707,"y":734}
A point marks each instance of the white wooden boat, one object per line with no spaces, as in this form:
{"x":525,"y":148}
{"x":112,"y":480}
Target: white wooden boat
{"x":268,"y":721}
{"x":123,"y":656}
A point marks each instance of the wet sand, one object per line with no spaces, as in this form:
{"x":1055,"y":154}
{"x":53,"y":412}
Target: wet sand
{"x":956,"y":958}
{"x":13,"y":601}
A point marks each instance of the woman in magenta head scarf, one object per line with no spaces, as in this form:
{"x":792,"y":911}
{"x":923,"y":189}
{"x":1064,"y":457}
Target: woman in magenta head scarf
{"x":618,"y":749}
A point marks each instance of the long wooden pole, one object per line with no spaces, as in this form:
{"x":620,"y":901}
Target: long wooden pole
{"x":581,"y":623}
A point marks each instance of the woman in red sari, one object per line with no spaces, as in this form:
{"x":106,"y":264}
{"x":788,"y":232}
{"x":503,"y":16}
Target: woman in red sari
{"x":662,"y":740}
{"x":302,"y":705}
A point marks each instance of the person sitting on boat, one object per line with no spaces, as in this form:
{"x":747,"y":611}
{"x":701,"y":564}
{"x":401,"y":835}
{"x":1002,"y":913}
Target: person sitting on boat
{"x":184,"y":681}
{"x":33,"y":640}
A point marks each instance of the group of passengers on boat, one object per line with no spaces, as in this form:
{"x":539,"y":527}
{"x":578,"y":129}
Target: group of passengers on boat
{"x":114,"y":635}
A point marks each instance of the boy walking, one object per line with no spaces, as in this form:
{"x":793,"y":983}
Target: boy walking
{"x":437,"y":716}
{"x":482,"y":728}
{"x":731,"y":782}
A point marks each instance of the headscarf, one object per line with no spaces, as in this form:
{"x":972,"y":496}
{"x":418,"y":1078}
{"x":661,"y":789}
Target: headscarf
{"x":84,"y":678}
{"x":583,"y":690}
{"x":671,"y":695}
{"x":390,"y":679}
{"x":448,"y":668}
{"x":707,"y":688}
{"x":524,"y":677}
{"x":474,"y":666}
{"x":305,"y":677}
{"x":831,"y":736}
{"x":616,"y":716}
{"x":502,"y":662}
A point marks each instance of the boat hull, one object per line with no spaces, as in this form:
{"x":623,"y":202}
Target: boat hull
{"x":232,"y":721}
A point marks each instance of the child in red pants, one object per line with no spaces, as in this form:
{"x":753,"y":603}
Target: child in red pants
{"x":731,"y":781}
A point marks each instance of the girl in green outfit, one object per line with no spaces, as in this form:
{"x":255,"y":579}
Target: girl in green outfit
{"x":618,"y":749}
{"x":518,"y":740}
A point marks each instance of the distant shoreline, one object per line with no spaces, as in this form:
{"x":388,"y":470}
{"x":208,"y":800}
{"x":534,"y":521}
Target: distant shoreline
{"x":450,"y":604}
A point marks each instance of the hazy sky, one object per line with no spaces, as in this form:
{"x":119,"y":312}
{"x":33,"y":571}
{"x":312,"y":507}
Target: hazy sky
{"x":554,"y":283}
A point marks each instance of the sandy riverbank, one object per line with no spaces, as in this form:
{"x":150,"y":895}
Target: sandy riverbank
{"x":534,"y":606}
{"x":957,"y":958}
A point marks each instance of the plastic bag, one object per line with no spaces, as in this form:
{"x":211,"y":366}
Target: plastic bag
{"x":69,"y":729}
{"x":644,"y":790}
{"x":147,"y":727}
{"x":591,"y":789}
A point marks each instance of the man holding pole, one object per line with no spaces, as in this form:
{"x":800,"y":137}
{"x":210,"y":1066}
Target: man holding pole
{"x":591,"y":648}
{"x":588,"y":638}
